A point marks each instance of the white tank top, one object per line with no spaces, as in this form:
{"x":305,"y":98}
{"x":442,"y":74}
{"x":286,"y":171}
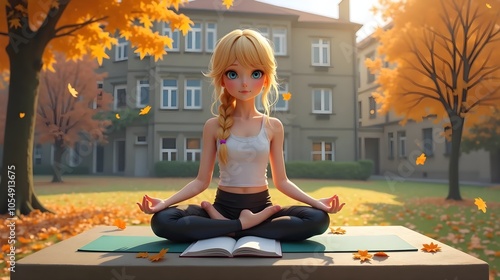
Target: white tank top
{"x":247,"y":160}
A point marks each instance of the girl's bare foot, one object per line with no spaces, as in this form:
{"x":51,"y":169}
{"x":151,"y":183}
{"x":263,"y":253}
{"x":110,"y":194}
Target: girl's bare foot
{"x":249,"y":219}
{"x":212,"y":212}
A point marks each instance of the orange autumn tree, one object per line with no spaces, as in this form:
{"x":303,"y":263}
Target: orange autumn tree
{"x":31,"y":31}
{"x":63,"y":119}
{"x":445,"y":56}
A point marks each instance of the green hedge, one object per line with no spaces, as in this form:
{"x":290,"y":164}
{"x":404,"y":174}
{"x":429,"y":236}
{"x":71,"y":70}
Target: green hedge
{"x":360,"y":170}
{"x":48,"y":170}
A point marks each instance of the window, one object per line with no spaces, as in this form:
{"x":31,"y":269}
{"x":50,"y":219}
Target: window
{"x":391,"y":145}
{"x":193,"y":38}
{"x":96,"y":103}
{"x":360,"y":111}
{"x":322,"y":101}
{"x":193,"y":149}
{"x":264,"y":31}
{"x":282,"y":104}
{"x":121,"y":51}
{"x":192,"y":96}
{"x":370,"y":78}
{"x":322,"y":151}
{"x":210,"y":36}
{"x":279,"y":40}
{"x":320,"y":52}
{"x":75,"y":158}
{"x":428,"y":145}
{"x":169,"y":94}
{"x":120,"y":97}
{"x":373,"y":108}
{"x":401,"y":144}
{"x":141,"y":140}
{"x":168,"y":150}
{"x":174,"y":35}
{"x":37,"y":154}
{"x":142,"y":93}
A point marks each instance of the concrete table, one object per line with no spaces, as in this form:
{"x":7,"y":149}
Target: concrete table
{"x":63,"y":261}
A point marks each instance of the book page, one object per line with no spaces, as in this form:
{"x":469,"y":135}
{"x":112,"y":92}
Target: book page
{"x":211,"y":245}
{"x":258,"y":246}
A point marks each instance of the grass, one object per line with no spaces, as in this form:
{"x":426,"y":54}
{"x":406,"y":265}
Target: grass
{"x":82,"y":202}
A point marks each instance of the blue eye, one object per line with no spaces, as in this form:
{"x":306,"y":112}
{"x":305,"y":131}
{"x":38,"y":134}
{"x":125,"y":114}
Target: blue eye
{"x":231,"y":74}
{"x":257,"y":74}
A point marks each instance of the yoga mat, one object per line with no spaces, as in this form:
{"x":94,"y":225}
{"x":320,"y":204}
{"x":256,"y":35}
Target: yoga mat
{"x":320,"y":243}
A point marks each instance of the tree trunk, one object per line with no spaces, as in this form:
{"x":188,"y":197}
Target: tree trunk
{"x":58,"y":155}
{"x":25,"y":65}
{"x":495,"y":165}
{"x":453,"y":172}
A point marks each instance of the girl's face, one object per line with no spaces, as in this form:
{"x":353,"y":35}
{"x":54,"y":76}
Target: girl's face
{"x":243,"y":83}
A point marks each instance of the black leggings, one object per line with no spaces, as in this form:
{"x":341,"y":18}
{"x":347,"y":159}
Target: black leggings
{"x":187,"y":223}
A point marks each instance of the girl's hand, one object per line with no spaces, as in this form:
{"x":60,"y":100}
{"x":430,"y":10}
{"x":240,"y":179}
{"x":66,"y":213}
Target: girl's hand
{"x":151,"y":205}
{"x":331,"y":204}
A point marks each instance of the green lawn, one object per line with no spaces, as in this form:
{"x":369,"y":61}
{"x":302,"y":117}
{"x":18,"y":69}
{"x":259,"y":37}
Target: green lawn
{"x":419,"y":206}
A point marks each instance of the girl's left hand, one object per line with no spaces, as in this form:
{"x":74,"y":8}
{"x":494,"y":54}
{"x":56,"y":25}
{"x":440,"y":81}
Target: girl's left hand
{"x":331,"y":204}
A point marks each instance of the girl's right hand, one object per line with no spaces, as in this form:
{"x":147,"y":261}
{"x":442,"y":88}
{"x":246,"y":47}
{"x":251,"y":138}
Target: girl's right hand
{"x":151,"y":205}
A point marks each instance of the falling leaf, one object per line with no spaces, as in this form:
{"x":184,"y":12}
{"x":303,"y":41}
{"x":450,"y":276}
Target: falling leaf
{"x":381,"y":254}
{"x":120,"y":224}
{"x":421,"y":159}
{"x":362,"y":255}
{"x":431,"y":248}
{"x":142,"y":255}
{"x":488,"y":5}
{"x":481,"y":204}
{"x":227,"y":3}
{"x":15,"y":23}
{"x":145,"y":110}
{"x":287,"y":96}
{"x":159,"y":256}
{"x":21,"y":115}
{"x":338,"y":230}
{"x":72,"y":91}
{"x":117,"y":116}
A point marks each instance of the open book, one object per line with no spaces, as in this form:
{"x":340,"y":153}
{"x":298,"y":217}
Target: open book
{"x":225,"y":246}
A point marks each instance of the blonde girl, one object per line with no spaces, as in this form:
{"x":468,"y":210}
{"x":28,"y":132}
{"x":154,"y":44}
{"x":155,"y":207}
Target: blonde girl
{"x":244,"y":141}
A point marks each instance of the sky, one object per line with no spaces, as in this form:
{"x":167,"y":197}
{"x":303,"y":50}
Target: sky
{"x":360,"y":11}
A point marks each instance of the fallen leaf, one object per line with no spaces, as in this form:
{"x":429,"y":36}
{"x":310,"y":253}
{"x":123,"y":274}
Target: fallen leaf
{"x":145,"y":110}
{"x":488,"y":5}
{"x":381,"y":254}
{"x":72,"y":91}
{"x":481,"y":204}
{"x":338,"y":230}
{"x":143,"y":255}
{"x":362,"y":255}
{"x":287,"y":96}
{"x":159,"y":256}
{"x":421,"y":159}
{"x":431,"y":248}
{"x":21,"y":115}
{"x":120,"y":224}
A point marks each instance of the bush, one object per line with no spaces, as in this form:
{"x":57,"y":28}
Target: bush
{"x":66,"y":170}
{"x":360,"y":170}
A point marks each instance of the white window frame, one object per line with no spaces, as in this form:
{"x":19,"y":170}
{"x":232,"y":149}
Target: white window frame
{"x":391,"y":143}
{"x":174,"y":35}
{"x":324,"y":92}
{"x":264,"y":31}
{"x":373,"y":107}
{"x":37,"y":154}
{"x":279,"y":35}
{"x":142,"y":84}
{"x":283,"y":88}
{"x":192,"y":152}
{"x":428,"y":143}
{"x":115,"y":95}
{"x":170,"y":91}
{"x":121,"y":49}
{"x":323,"y":151}
{"x":401,"y":144}
{"x":321,"y":44}
{"x":139,"y":141}
{"x":167,"y":150}
{"x":190,"y":91}
{"x":197,"y":28}
{"x":210,"y":32}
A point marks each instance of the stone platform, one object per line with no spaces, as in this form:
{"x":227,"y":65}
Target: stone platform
{"x":63,"y":261}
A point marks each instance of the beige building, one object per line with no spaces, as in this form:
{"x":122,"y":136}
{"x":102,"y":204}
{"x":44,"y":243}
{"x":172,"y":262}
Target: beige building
{"x":394,"y":148}
{"x":316,"y":64}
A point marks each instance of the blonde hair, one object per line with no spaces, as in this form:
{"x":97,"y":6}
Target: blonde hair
{"x":252,"y":50}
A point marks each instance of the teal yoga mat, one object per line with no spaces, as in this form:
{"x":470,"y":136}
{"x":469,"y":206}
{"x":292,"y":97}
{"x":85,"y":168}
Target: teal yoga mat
{"x":320,"y":243}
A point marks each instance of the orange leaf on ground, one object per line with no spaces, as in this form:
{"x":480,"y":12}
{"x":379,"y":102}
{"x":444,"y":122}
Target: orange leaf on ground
{"x":142,"y":255}
{"x":159,"y":256}
{"x":431,"y":248}
{"x":362,"y":255}
{"x":381,"y":254}
{"x":120,"y":224}
{"x":338,"y":230}
{"x":481,"y":204}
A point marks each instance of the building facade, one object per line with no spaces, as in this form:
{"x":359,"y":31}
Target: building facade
{"x":394,"y":148}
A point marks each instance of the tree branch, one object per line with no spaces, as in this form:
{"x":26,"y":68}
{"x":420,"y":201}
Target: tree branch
{"x":4,"y":34}
{"x":75,"y":27}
